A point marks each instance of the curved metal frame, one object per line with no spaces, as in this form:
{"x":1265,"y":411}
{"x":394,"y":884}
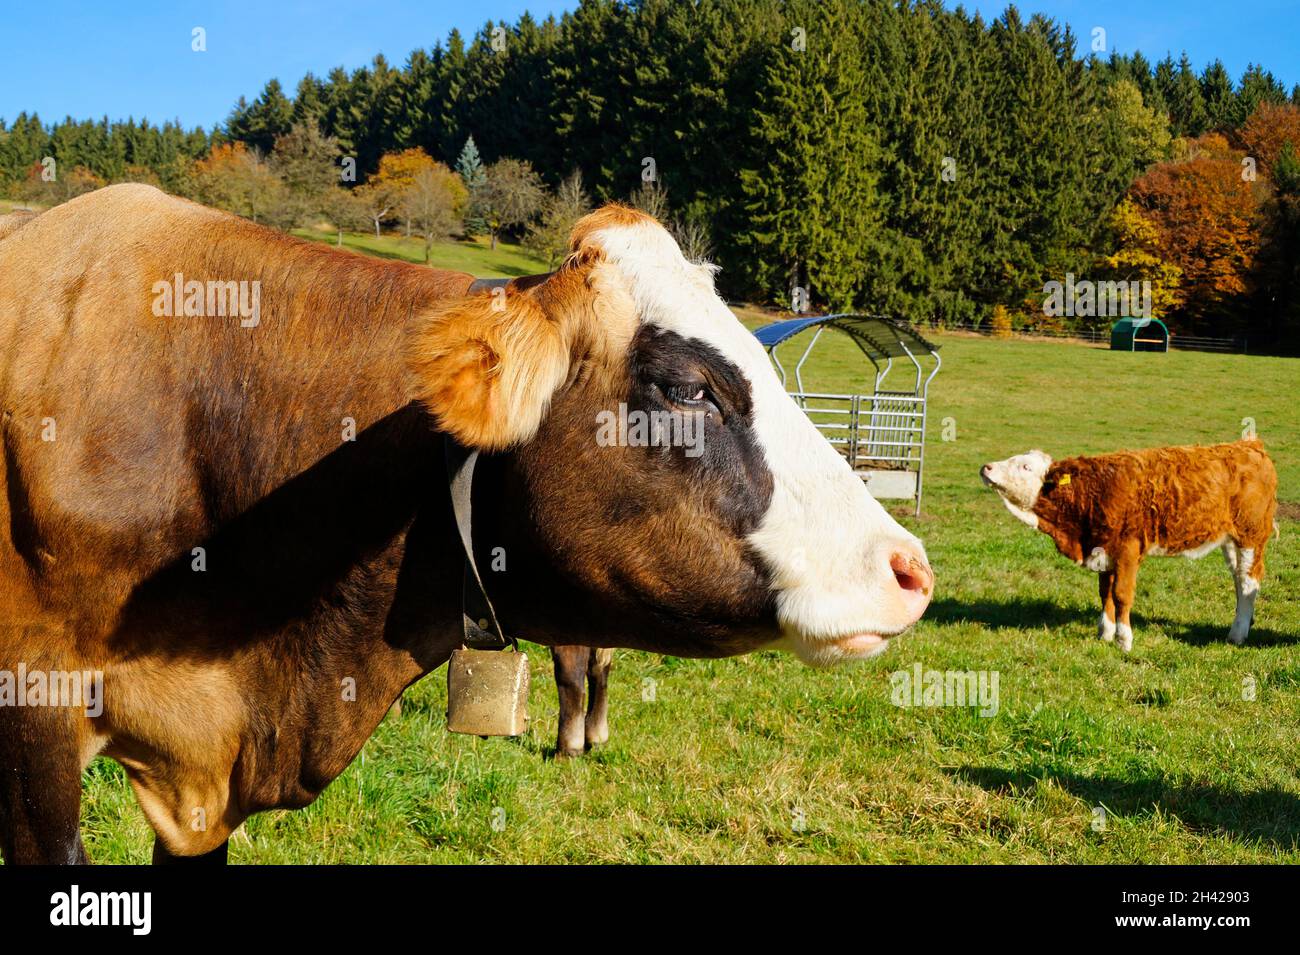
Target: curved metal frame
{"x":918,"y":396}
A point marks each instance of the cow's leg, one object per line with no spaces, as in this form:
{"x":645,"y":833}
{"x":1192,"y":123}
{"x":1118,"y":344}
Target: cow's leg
{"x":1106,"y":625}
{"x":598,"y":667}
{"x":1125,"y":591}
{"x":570,"y":680}
{"x":216,"y":857}
{"x":40,"y":786}
{"x":1247,"y":573}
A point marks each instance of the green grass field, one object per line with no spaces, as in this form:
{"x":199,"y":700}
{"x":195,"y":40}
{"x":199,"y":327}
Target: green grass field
{"x":759,"y":759}
{"x":474,"y":256}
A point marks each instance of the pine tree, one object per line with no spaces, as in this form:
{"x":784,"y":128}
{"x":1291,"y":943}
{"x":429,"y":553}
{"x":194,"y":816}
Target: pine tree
{"x":1219,"y":96}
{"x":1145,"y":78}
{"x":1165,"y":79}
{"x":810,"y":186}
{"x":417,"y":83}
{"x":270,"y":117}
{"x":1187,"y":103}
{"x":445,"y":109}
{"x":1257,"y":86}
{"x":474,"y":176}
{"x":308,"y":102}
{"x":379,"y":96}
{"x":341,"y":117}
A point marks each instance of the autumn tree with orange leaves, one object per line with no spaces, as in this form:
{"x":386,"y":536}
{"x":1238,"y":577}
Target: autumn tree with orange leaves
{"x":384,"y":193}
{"x":235,"y":178}
{"x":1207,"y":212}
{"x":1268,"y":131}
{"x":1272,"y":135}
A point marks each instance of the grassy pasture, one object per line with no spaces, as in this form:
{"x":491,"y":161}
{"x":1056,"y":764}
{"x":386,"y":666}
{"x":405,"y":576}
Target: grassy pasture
{"x":759,"y":759}
{"x":475,"y":256}
{"x":13,"y":205}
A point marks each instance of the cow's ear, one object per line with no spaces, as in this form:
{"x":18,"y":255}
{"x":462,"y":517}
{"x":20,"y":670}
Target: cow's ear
{"x":487,"y":366}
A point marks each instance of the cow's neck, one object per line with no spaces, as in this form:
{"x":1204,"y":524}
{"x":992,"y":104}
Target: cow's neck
{"x":317,"y":372}
{"x":1066,"y":528}
{"x":1022,"y":515}
{"x":331,"y":575}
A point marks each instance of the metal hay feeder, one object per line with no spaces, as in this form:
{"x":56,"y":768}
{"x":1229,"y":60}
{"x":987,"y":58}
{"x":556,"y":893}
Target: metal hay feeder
{"x":881,"y":434}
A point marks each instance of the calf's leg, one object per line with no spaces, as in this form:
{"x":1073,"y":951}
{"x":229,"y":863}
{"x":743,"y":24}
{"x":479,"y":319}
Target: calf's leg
{"x":1125,"y":591}
{"x":1247,"y":571}
{"x":601,"y":661}
{"x":570,"y":679}
{"x":1106,"y":625}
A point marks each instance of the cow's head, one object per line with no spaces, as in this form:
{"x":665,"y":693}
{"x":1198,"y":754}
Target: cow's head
{"x":1018,"y":481}
{"x":658,"y":464}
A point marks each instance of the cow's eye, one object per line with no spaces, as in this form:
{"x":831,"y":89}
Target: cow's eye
{"x":693,"y":395}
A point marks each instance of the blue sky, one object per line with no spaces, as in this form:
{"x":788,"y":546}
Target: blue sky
{"x":1238,"y":32}
{"x":134,"y":58}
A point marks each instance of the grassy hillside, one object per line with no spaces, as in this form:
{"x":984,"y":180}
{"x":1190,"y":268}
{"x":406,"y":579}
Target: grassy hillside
{"x":760,"y":759}
{"x":475,"y":256}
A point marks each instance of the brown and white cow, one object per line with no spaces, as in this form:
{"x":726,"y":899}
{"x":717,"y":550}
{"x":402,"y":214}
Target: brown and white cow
{"x":1109,"y":511}
{"x":242,"y":521}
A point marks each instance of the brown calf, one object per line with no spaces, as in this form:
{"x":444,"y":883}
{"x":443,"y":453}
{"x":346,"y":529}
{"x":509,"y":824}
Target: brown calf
{"x":1108,"y":512}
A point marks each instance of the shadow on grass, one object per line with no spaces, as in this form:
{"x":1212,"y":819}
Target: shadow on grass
{"x":1032,"y":614}
{"x":1267,"y":815}
{"x":1011,"y":613}
{"x":323,"y":239}
{"x":1201,"y":634}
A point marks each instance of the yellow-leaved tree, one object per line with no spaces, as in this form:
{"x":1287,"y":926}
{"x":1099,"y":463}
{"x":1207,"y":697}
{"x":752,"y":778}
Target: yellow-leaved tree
{"x":1139,"y":258}
{"x":385,"y":191}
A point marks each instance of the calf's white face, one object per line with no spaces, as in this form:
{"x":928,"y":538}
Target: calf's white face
{"x":1018,"y":481}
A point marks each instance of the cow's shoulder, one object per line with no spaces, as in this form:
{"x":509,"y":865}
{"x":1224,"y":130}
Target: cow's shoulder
{"x":128,"y":206}
{"x":1086,"y":501}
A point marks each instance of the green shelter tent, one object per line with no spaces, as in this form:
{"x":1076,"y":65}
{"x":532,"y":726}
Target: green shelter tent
{"x":1139,"y":334}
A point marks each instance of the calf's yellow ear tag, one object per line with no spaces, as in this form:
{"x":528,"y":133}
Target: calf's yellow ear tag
{"x":1064,"y":480}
